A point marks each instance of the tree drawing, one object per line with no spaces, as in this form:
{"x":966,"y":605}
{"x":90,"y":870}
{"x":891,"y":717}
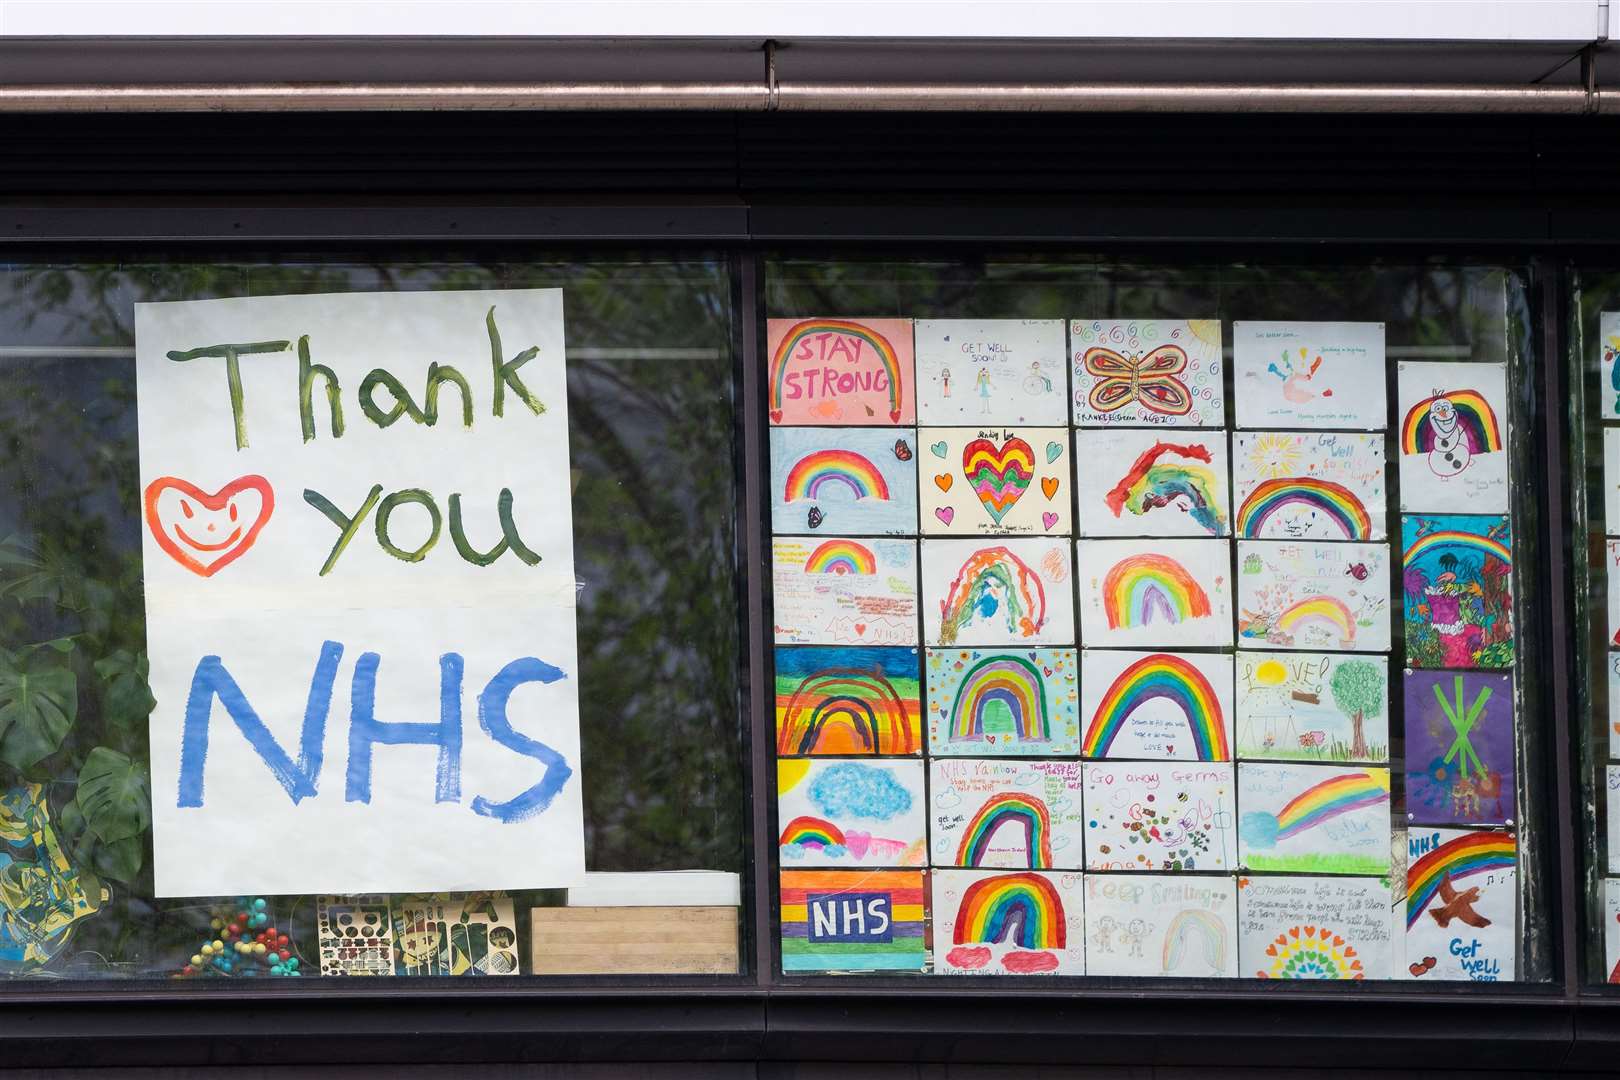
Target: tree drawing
{"x":1358,"y":692}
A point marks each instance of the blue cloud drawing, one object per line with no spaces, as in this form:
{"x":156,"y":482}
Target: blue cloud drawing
{"x":1259,"y":829}
{"x":850,"y":789}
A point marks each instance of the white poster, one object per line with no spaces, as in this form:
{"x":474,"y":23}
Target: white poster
{"x":995,"y":922}
{"x":837,"y":590}
{"x":1315,"y":928}
{"x":1453,"y":438}
{"x":360,"y":593}
{"x":994,"y":481}
{"x":1612,"y":801}
{"x":1007,"y":814}
{"x":1160,"y":816}
{"x":991,"y":371}
{"x":1008,"y":591}
{"x":1308,"y":485}
{"x":1152,"y":483}
{"x":1313,"y":596}
{"x":1309,"y":374}
{"x":1155,"y":592}
{"x":1461,"y":905}
{"x":1156,"y":706}
{"x":1163,"y":925}
{"x":1147,"y":373}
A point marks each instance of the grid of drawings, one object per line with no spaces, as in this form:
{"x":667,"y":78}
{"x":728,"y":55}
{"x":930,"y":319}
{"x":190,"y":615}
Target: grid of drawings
{"x":1074,"y":677}
{"x":1609,"y":756}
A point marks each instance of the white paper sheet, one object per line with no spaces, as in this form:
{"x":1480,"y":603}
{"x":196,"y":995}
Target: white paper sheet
{"x":991,"y":371}
{"x":1453,"y":437}
{"x":1147,"y":372}
{"x":1152,"y":483}
{"x":1337,"y":928}
{"x":1309,"y":374}
{"x":1136,"y":593}
{"x":1163,"y":925}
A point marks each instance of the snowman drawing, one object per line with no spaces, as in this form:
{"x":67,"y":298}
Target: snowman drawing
{"x":1449,"y":454}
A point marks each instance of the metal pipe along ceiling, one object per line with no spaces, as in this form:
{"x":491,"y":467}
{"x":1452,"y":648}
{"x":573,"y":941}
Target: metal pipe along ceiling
{"x":806,"y":97}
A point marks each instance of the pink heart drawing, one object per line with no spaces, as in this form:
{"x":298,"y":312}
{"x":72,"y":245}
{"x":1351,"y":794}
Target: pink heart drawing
{"x":945,"y":513}
{"x":860,"y":628}
{"x":857,"y":843}
{"x":1049,"y":519}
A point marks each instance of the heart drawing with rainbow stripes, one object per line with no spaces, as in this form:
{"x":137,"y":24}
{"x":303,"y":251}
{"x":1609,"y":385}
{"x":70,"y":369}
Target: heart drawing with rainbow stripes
{"x":1000,"y":475}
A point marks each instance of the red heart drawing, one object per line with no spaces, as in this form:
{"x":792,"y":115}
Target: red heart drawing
{"x":776,"y":416}
{"x":202,"y":532}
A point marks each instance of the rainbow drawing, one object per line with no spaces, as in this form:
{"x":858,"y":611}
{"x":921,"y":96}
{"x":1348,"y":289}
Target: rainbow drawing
{"x":1485,"y":545}
{"x":810,"y":327}
{"x":1023,"y":908}
{"x":1007,"y":685}
{"x":1026,"y":811}
{"x":1473,"y":853}
{"x":841,"y":557}
{"x":835,"y":709}
{"x":812,"y":833}
{"x":1142,"y":588}
{"x":1474,"y":415}
{"x":833,"y":920}
{"x":1194,"y":924}
{"x":1336,"y":502}
{"x":1328,"y":799}
{"x":993,"y":581}
{"x":1170,"y":678}
{"x":1328,"y":609}
{"x":812,"y":474}
{"x":1152,"y":483}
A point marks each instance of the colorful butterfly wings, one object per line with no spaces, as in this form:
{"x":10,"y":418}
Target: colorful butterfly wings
{"x":1150,"y":380}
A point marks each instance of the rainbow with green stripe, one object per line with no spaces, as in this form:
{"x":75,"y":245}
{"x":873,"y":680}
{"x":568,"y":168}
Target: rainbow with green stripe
{"x":812,"y":474}
{"x":841,"y":557}
{"x":1023,"y":908}
{"x":1015,"y":808}
{"x":1001,"y":684}
{"x":1141,"y":588}
{"x":1460,"y":857}
{"x":810,"y":327}
{"x":1485,"y":545}
{"x":813,"y":833}
{"x":1475,"y":417}
{"x":1329,"y":799}
{"x":1336,"y":502}
{"x":1165,"y":677}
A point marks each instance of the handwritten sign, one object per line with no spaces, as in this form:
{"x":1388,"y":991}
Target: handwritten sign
{"x":360,"y":593}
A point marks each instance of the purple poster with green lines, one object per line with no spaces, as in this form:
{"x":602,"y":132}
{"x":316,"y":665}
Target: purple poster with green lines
{"x":1459,"y":748}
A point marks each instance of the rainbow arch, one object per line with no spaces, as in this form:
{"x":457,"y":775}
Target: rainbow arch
{"x":863,"y":701}
{"x":1010,"y":682}
{"x":1484,"y":545}
{"x":1141,"y":588}
{"x":1335,"y":501}
{"x":799,"y":331}
{"x":994,"y":574}
{"x":1026,"y":812}
{"x":841,"y":557}
{"x":1153,"y":482}
{"x":1024,"y":908}
{"x":1166,"y":677}
{"x":1328,"y":609}
{"x":812,"y":474}
{"x":1330,"y":798}
{"x":1191,"y":925}
{"x":1459,"y":857}
{"x":1474,"y":415}
{"x":812,"y":833}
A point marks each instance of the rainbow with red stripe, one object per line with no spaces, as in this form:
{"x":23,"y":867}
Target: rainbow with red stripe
{"x":799,"y":331}
{"x":1009,"y":807}
{"x":1335,"y":501}
{"x":1329,"y":799}
{"x":1474,"y":415}
{"x":1166,"y":677}
{"x":1459,"y":857}
{"x":813,"y":473}
{"x":1023,"y":908}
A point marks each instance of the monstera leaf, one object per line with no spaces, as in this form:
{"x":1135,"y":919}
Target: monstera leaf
{"x":126,"y":697}
{"x":39,"y":699}
{"x":113,"y":796}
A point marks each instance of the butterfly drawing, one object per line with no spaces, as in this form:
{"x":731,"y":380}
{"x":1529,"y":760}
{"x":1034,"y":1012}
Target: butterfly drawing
{"x":902,"y":450}
{"x":1148,"y":380}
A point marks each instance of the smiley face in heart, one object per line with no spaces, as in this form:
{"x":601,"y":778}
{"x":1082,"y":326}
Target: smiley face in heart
{"x":999,"y":475}
{"x":205,"y":533}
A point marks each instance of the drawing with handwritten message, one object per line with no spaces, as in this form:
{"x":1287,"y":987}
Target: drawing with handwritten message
{"x":1315,"y":596}
{"x":1150,"y":816}
{"x":1461,"y":905}
{"x":1157,"y":706}
{"x":844,"y":591}
{"x":994,"y":481}
{"x":1337,"y":928}
{"x":1325,"y":819}
{"x":1293,"y":485}
{"x":1453,"y":437}
{"x":1309,"y":374}
{"x":998,"y":922}
{"x":972,"y":372}
{"x":1312,"y":707}
{"x":1147,"y":372}
{"x":840,"y":372}
{"x":1166,"y":925}
{"x":1014,"y":814}
{"x":997,"y":592}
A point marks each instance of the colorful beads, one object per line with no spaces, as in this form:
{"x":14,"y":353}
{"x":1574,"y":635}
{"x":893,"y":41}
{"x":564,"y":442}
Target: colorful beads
{"x":242,"y":942}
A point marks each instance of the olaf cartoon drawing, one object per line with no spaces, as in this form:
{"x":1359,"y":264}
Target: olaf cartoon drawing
{"x":1449,"y":453}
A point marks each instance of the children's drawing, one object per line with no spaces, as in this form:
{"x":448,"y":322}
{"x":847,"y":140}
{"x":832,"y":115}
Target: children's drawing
{"x":1152,"y":483}
{"x":997,"y":592}
{"x":1461,"y":905}
{"x":1007,"y":814}
{"x":848,"y":700}
{"x":1157,"y":706}
{"x":1141,"y":372}
{"x":1025,"y":922}
{"x":991,"y":371}
{"x":1614,"y":705}
{"x":840,"y":371}
{"x":1314,"y":928}
{"x":850,"y":812}
{"x":1155,"y":592}
{"x":1453,"y":437}
{"x":853,"y":920}
{"x":1612,"y":805}
{"x":1459,"y":748}
{"x":1323,"y":819}
{"x":1159,"y":816}
{"x":43,"y":895}
{"x":1163,"y":925}
{"x":1309,"y":374}
{"x":838,"y":590}
{"x":356,"y":935}
{"x":1457,"y":576}
{"x":1312,"y":707}
{"x":843,"y":481}
{"x":1611,"y":550}
{"x":1293,"y":485}
{"x":983,"y":702}
{"x":454,"y":934}
{"x":1611,"y":479}
{"x":1609,"y":370}
{"x":1314,"y":596}
{"x":1611,"y":929}
{"x":994,"y":481}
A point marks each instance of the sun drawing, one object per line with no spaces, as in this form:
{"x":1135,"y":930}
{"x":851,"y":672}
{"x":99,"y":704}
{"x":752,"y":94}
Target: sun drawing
{"x":1311,"y":952}
{"x":1274,"y":455}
